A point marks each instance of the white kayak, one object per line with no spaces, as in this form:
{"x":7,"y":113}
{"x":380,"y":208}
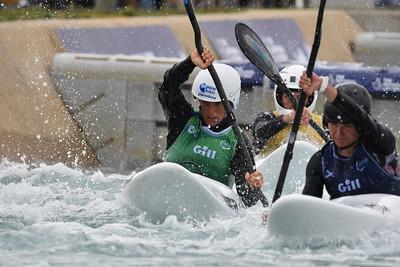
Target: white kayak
{"x":270,"y":167}
{"x":303,"y":217}
{"x":168,"y":189}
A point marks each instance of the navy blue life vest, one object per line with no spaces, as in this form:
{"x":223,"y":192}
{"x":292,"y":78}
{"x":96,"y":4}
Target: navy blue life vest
{"x":358,"y":174}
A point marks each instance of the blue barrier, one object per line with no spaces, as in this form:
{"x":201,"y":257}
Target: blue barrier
{"x":379,"y":81}
{"x":387,"y":3}
{"x":250,"y":75}
{"x":387,"y":83}
{"x":282,"y":37}
{"x":154,"y":40}
{"x":347,"y":72}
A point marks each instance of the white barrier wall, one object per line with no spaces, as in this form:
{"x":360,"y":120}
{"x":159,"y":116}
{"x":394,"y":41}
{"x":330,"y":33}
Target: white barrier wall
{"x":378,"y":48}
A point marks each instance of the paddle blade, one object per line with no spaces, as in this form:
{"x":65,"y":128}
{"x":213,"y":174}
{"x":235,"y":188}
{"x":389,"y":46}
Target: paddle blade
{"x":254,"y":49}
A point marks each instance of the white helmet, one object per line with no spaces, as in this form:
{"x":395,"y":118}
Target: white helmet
{"x":204,"y":88}
{"x":291,"y":77}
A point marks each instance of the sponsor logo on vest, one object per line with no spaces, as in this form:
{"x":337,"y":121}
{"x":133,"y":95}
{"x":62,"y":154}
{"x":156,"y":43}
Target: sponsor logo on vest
{"x":360,"y":165}
{"x":225,"y":145}
{"x":205,"y":152}
{"x":192,"y":130}
{"x":329,"y":174}
{"x":349,"y":185}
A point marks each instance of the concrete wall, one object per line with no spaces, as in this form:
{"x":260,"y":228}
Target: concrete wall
{"x":379,"y":44}
{"x":382,"y":20}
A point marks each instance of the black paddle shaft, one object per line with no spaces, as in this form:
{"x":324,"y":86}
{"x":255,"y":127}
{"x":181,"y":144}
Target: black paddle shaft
{"x":300,"y":106}
{"x":230,"y":115}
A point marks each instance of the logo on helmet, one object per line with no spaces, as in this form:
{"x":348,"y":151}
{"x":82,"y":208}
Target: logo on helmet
{"x":207,"y":91}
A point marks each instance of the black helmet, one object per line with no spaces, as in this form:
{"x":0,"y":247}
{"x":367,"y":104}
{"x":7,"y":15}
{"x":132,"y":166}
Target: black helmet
{"x":357,"y":92}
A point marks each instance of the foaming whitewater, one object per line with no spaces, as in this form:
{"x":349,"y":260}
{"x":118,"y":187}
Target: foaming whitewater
{"x":53,"y":215}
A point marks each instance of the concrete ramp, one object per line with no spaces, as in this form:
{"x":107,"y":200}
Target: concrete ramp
{"x":34,"y":124}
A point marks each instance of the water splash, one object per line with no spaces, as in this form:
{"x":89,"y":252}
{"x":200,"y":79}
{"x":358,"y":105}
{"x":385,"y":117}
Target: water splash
{"x":59,"y":216}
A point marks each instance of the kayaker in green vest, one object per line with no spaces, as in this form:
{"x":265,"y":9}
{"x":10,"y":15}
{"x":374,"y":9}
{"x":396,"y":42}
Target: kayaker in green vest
{"x":203,"y":141}
{"x":271,"y":129}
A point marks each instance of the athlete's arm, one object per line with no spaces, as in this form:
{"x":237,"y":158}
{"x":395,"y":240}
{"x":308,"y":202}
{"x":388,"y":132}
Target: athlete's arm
{"x":176,"y":109}
{"x":314,"y":185}
{"x":248,"y":195}
{"x":375,"y":136}
{"x":265,"y":126}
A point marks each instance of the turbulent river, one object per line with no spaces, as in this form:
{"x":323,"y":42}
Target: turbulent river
{"x":53,"y":215}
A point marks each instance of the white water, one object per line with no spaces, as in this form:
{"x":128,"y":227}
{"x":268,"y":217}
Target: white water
{"x":58,"y":216}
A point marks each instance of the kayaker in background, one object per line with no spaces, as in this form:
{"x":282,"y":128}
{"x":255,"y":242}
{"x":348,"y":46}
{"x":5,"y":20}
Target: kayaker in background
{"x":271,"y":129}
{"x":203,"y":141}
{"x":362,"y":156}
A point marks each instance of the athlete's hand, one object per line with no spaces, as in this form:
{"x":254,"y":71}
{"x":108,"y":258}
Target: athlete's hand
{"x":204,"y":61}
{"x":305,"y":117}
{"x":254,"y":179}
{"x":310,"y":85}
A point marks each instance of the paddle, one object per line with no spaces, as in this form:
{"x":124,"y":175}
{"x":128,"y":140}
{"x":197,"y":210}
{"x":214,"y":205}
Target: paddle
{"x":258,"y":54}
{"x":300,"y":106}
{"x":255,"y":50}
{"x":231,"y":116}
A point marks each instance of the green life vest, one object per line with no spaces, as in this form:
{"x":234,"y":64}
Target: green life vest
{"x":204,"y":152}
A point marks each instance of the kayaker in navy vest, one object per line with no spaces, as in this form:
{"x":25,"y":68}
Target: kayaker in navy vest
{"x":203,"y":141}
{"x":271,"y":129}
{"x":362,"y":156}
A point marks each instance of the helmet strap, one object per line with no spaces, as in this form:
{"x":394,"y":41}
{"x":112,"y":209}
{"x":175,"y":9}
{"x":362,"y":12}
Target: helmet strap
{"x":348,"y":146}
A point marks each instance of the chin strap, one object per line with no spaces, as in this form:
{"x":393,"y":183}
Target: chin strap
{"x":324,"y":84}
{"x":348,"y":146}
